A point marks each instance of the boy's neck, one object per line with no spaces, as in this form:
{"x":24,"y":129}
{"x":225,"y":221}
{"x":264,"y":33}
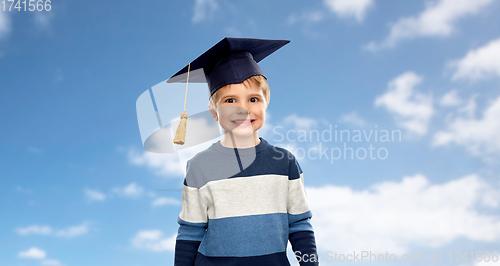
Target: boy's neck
{"x":230,"y":140}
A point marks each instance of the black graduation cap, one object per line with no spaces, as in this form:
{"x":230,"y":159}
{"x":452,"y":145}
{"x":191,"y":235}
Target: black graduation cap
{"x":230,"y":61}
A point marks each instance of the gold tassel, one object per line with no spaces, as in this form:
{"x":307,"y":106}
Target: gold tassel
{"x":180,"y":134}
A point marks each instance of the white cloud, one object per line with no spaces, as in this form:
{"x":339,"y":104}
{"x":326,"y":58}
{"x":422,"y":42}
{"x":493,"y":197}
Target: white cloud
{"x":353,"y":118}
{"x":204,"y":9}
{"x":4,"y":24}
{"x":306,"y":17}
{"x":438,"y":19}
{"x":51,"y":262}
{"x":487,"y":263}
{"x":350,"y":8}
{"x":72,"y":231}
{"x":300,"y":122}
{"x":451,"y":98}
{"x":153,"y":240}
{"x":480,"y":63}
{"x":69,"y":232}
{"x":42,"y":19}
{"x":395,"y":216}
{"x":132,"y":190}
{"x":35,"y":230}
{"x":32,"y":253}
{"x":36,"y":253}
{"x":24,"y":190}
{"x":469,"y":108}
{"x":163,"y":164}
{"x":343,"y":8}
{"x":479,"y":136}
{"x":94,"y":195}
{"x":412,"y":110}
{"x":165,"y":201}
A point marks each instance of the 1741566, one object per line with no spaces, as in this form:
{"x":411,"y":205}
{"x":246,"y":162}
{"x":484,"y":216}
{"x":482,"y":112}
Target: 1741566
{"x":26,"y":5}
{"x":478,"y":256}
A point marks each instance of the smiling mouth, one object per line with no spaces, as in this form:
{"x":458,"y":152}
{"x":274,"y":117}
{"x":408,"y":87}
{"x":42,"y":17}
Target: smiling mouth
{"x":243,"y":122}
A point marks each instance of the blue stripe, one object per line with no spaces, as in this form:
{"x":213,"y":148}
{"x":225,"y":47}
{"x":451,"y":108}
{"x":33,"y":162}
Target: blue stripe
{"x":294,"y":169}
{"x":300,"y":222}
{"x":190,"y":231}
{"x":245,"y":236}
{"x":275,"y":259}
{"x":185,"y":252}
{"x":211,"y":165}
{"x":304,"y":244}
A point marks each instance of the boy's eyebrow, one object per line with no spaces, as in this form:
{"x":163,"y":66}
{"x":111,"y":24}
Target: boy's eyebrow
{"x":233,"y":95}
{"x":227,"y":95}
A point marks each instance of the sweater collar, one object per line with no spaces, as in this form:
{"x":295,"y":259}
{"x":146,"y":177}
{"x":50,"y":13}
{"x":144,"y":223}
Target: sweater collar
{"x":246,"y":151}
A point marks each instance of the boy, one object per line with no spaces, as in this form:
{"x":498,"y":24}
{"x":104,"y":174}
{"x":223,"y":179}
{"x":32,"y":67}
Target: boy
{"x":243,"y":199}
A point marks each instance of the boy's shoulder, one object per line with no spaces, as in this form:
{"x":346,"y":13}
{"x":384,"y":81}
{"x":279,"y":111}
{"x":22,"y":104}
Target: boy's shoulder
{"x":202,"y":158}
{"x":286,"y":157}
{"x":281,"y":153}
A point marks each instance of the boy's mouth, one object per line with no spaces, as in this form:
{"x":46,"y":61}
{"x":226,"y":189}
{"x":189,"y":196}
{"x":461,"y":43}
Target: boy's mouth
{"x":243,"y":122}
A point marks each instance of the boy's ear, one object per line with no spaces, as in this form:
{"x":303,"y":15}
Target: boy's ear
{"x":213,"y":112}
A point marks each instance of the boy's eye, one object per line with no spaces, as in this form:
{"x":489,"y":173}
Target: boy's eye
{"x":254,"y":100}
{"x":230,"y":100}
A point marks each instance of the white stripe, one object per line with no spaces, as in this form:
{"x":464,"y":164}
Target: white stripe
{"x":194,"y":208}
{"x":297,"y":201}
{"x":241,"y":196}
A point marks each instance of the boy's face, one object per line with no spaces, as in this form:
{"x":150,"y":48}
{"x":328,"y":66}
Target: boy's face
{"x":240,"y":109}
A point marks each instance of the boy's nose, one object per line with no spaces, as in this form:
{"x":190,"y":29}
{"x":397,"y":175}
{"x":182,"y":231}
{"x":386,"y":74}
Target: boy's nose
{"x":241,"y":110}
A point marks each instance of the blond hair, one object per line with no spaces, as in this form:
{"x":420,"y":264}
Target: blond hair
{"x":258,"y":79}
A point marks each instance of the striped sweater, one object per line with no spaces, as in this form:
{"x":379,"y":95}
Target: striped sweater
{"x":242,"y":206}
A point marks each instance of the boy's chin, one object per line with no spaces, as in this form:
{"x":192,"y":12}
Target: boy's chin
{"x":243,"y":132}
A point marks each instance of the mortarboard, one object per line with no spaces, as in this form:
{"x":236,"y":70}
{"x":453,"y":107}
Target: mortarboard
{"x":230,"y":61}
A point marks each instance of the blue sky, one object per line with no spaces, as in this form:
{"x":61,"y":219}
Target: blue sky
{"x":78,"y":188}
